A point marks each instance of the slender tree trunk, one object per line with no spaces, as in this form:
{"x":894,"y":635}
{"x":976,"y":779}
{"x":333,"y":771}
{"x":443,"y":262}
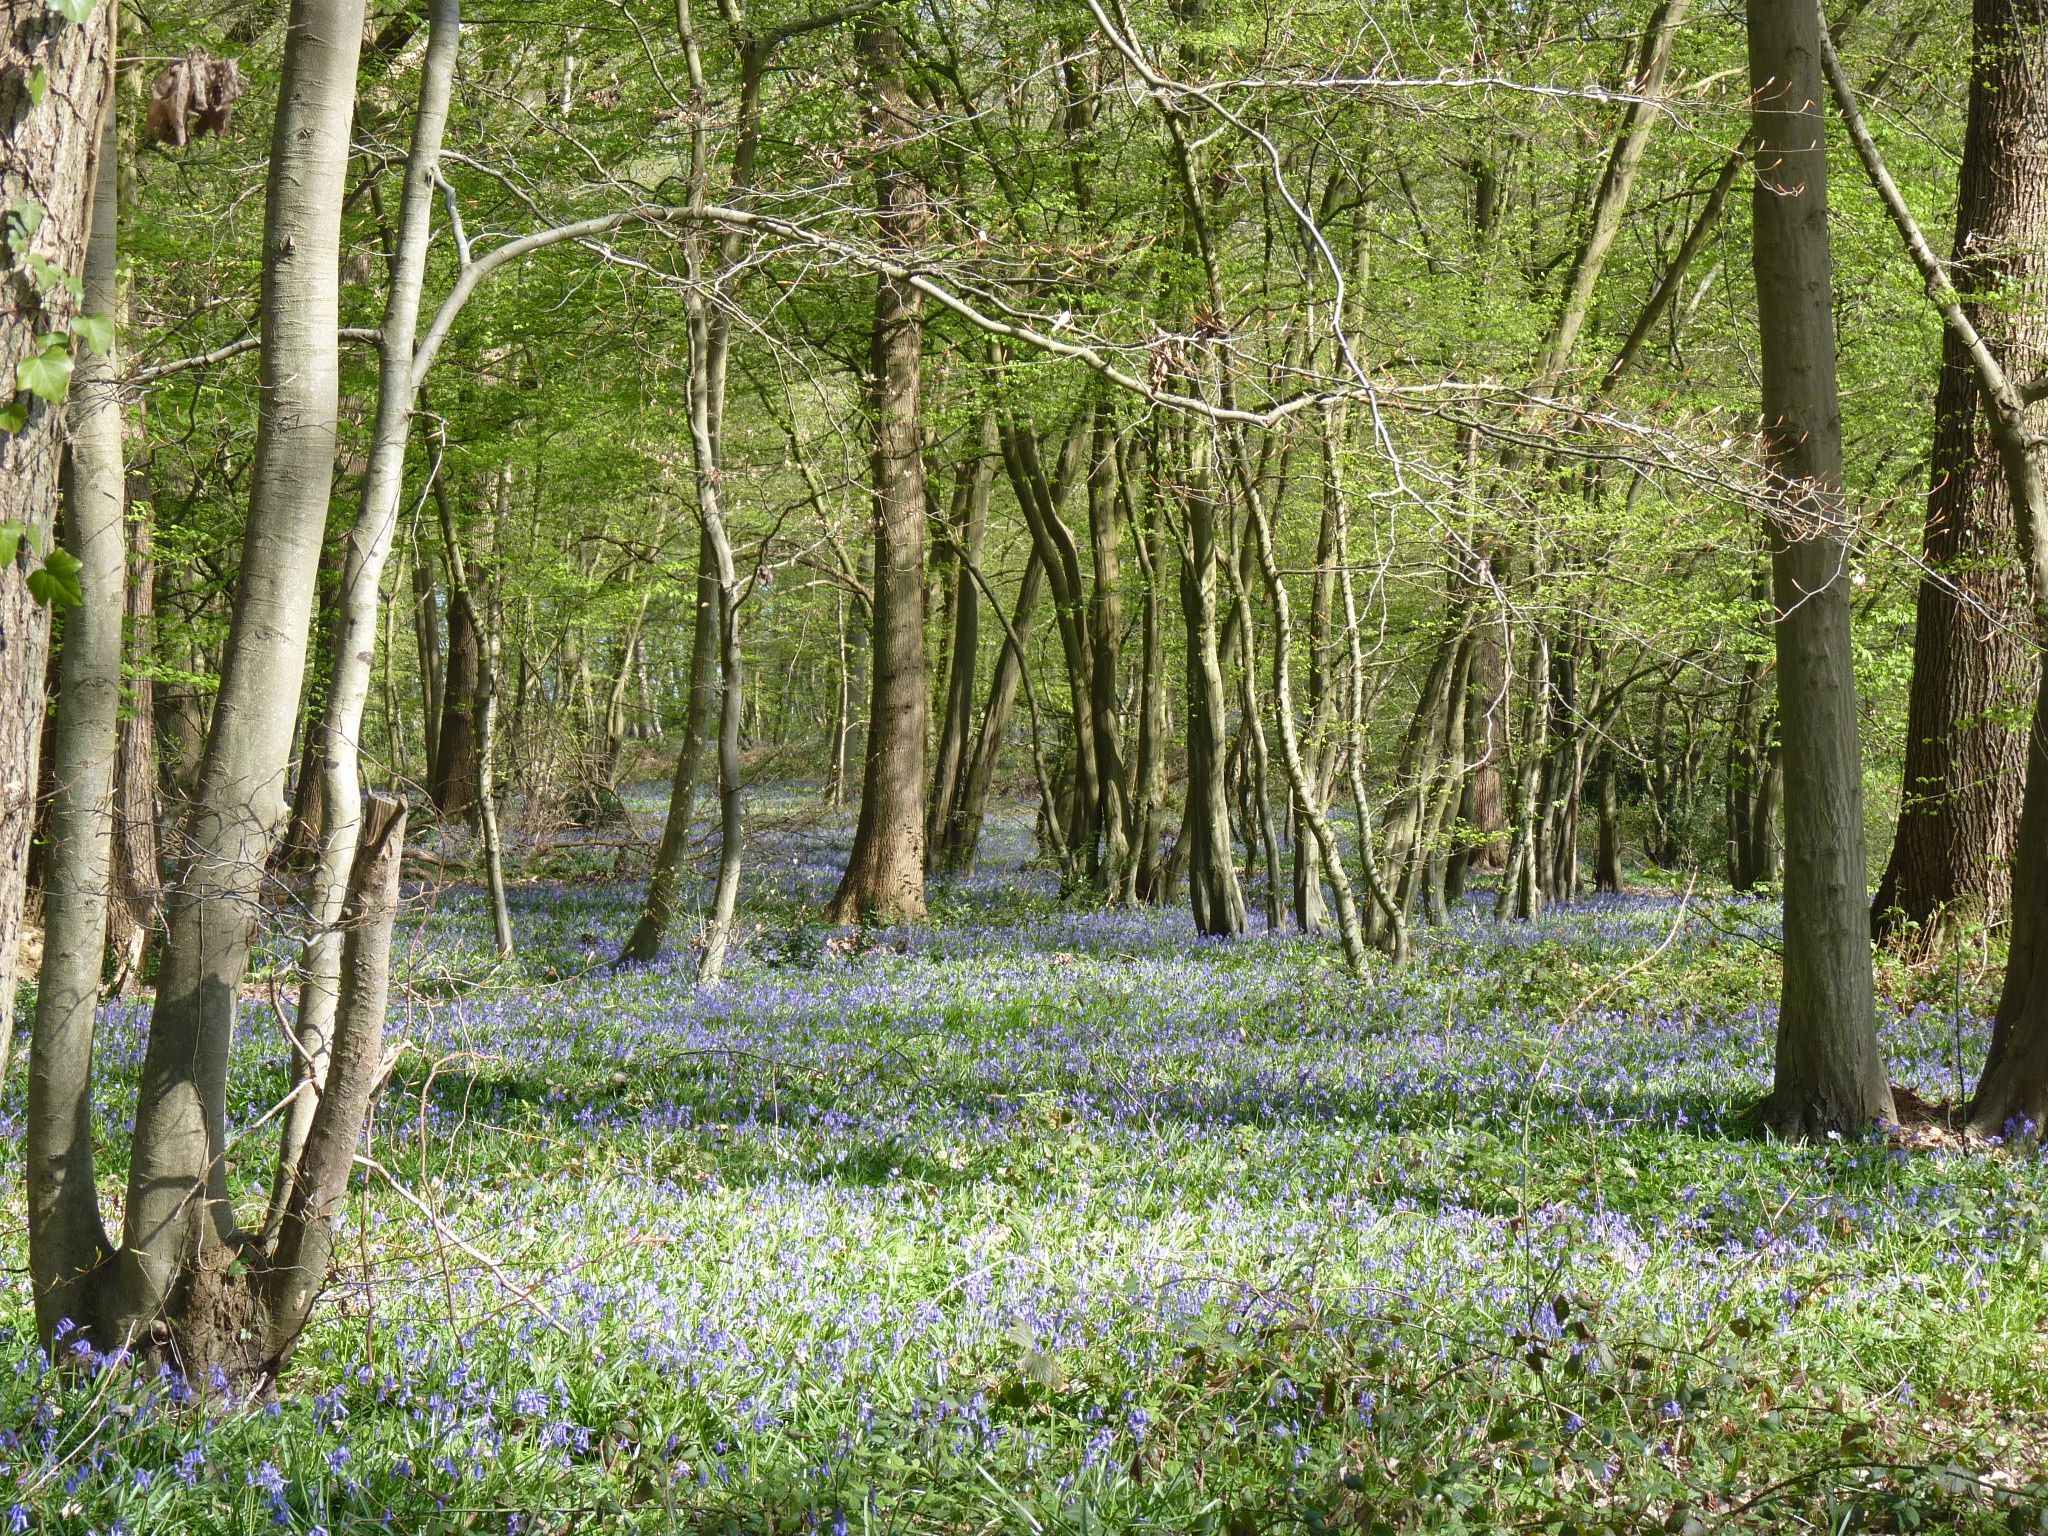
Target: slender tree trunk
{"x":1607,"y":860}
{"x":1829,"y":1074}
{"x":67,"y":1240}
{"x":1610,"y":202}
{"x":964,"y":823}
{"x":1041,"y":497}
{"x":885,"y":871}
{"x":427,"y":640}
{"x":1965,"y":759}
{"x":1309,"y":809}
{"x":55,"y":86}
{"x":842,"y":719}
{"x":132,"y":918}
{"x":178,"y":1214}
{"x":1256,"y":750}
{"x":1105,"y":631}
{"x":964,"y":651}
{"x":1214,"y":895}
{"x":455,"y":767}
{"x":664,"y":883}
{"x":1149,"y":787}
{"x":291,"y":1281}
{"x":487,"y":790}
{"x":338,"y":754}
{"x":615,"y":712}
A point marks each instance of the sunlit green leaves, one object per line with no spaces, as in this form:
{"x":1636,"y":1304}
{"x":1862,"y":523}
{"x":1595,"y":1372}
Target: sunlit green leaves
{"x":96,"y":331}
{"x":46,"y":372}
{"x":56,"y":584}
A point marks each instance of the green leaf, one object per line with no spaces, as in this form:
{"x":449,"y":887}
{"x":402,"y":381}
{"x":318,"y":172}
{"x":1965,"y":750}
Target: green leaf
{"x":56,"y":585}
{"x":15,"y":417}
{"x":96,"y":331}
{"x":46,"y":373}
{"x":38,"y":86}
{"x":10,"y":541}
{"x":26,"y":215}
{"x":72,"y":10}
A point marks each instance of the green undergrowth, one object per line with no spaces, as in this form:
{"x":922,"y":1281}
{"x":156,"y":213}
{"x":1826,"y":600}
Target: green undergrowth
{"x":1047,"y":1219}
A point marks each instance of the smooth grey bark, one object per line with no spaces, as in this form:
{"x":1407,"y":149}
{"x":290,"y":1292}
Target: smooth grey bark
{"x":710,"y":341}
{"x":1148,"y":790}
{"x":1829,"y":1074}
{"x":1113,"y":866}
{"x":487,"y":788}
{"x":368,"y":547}
{"x":177,"y":1206}
{"x":68,"y":1242}
{"x":136,"y":880}
{"x":305,"y":1241}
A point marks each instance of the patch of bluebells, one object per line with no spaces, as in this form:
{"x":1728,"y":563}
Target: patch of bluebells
{"x":1053,"y":1198}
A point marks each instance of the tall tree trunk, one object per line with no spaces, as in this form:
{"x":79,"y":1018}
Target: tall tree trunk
{"x":1829,"y":1073}
{"x":55,"y":85}
{"x":1312,"y":821}
{"x":1148,"y":793}
{"x":1607,"y":857}
{"x":455,"y":766}
{"x":1965,"y":760}
{"x":1041,"y":497}
{"x":426,"y":616}
{"x":664,"y":882}
{"x":337,"y":755}
{"x":964,"y":649}
{"x":964,"y":821}
{"x":131,"y":920}
{"x":1258,"y":756}
{"x":1214,"y":895}
{"x":179,"y":1218}
{"x":885,"y":871}
{"x":68,"y":1242}
{"x":1105,"y":630}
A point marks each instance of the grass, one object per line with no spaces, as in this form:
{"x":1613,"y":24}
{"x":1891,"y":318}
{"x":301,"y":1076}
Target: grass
{"x":1038,"y":1219}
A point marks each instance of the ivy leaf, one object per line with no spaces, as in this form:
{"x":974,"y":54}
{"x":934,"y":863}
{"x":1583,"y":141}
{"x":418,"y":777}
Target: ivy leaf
{"x":96,"y":331}
{"x":15,"y":417}
{"x":73,"y":10}
{"x":38,"y":86}
{"x":26,"y":215}
{"x":46,"y":373}
{"x":56,"y":585}
{"x":10,"y":542}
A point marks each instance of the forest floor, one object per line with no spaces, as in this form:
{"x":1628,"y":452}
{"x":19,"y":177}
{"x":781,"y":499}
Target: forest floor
{"x":1039,"y":1219}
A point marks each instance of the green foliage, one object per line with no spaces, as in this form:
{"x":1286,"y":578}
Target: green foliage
{"x":54,"y":583}
{"x":46,"y":372}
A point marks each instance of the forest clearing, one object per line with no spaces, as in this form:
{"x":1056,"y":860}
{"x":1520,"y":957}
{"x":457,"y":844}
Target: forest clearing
{"x":1206,"y":766}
